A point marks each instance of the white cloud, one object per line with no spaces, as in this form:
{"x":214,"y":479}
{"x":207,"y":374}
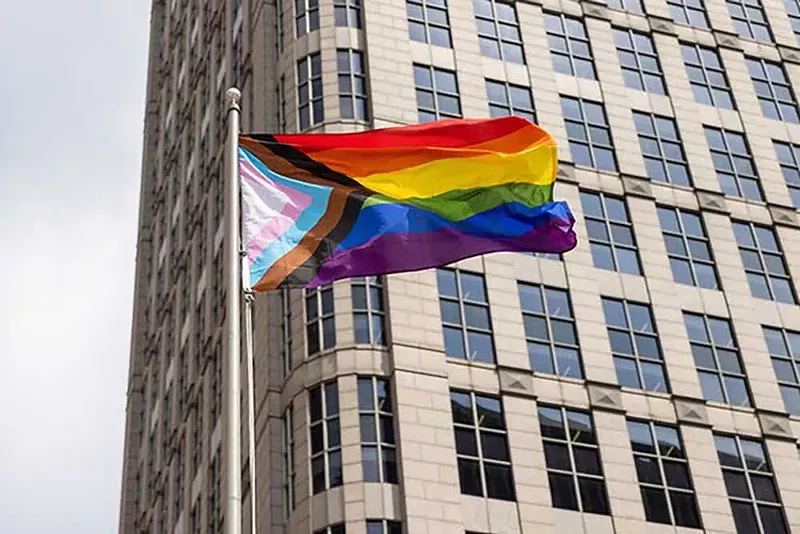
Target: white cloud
{"x":71,"y":108}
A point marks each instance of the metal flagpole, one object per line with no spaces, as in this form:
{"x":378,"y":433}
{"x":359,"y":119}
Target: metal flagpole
{"x":233,"y":437}
{"x":251,"y":400}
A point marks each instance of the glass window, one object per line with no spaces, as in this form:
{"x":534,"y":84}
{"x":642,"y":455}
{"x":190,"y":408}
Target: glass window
{"x":763,"y":262}
{"x":499,"y":36}
{"x":306,"y":16}
{"x":611,"y":237}
{"x":507,"y":99}
{"x":734,"y":165}
{"x":428,"y":22}
{"x":569,"y":46}
{"x":320,"y":320}
{"x":286,"y":330}
{"x":635,"y":345}
{"x":789,"y":158}
{"x":290,"y":473}
{"x":707,"y":76}
{"x":466,"y":319}
{"x":793,"y":11}
{"x":784,"y":349}
{"x":689,"y":12}
{"x":688,"y":248}
{"x":663,"y":472}
{"x":383,"y":526}
{"x":634,"y":6}
{"x":662,"y":148}
{"x":749,"y":19}
{"x":352,"y":85}
{"x":309,"y":91}
{"x":437,"y":93}
{"x":572,"y":457}
{"x":775,"y":95}
{"x":752,"y":492}
{"x":589,"y":134}
{"x":369,"y":317}
{"x":484,"y":463}
{"x":716,"y":357}
{"x":550,"y":330}
{"x":639,"y":61}
{"x":378,"y":448}
{"x":347,"y":13}
{"x":324,"y":437}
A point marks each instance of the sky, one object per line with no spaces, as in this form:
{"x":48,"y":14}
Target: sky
{"x":72,"y":84}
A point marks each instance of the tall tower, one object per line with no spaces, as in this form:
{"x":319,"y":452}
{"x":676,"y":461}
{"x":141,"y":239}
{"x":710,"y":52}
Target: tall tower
{"x":648,"y":381}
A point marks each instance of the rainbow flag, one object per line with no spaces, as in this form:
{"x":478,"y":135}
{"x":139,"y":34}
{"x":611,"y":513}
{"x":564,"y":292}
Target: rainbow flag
{"x":321,"y":207}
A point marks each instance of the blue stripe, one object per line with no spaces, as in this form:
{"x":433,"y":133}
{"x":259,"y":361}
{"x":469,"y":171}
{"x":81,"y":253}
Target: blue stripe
{"x":511,"y":219}
{"x":308,"y":219}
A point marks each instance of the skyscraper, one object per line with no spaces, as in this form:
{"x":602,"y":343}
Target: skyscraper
{"x":648,"y":381}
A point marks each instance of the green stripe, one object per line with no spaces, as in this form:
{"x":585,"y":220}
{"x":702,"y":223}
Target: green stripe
{"x":462,"y":203}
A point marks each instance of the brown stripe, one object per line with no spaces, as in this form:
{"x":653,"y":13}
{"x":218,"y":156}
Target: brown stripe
{"x":296,"y":257}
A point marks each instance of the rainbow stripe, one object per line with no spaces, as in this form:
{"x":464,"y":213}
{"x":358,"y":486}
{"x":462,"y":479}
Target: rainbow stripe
{"x":320,"y":207}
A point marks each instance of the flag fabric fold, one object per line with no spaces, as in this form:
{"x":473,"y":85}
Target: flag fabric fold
{"x":322,"y":207}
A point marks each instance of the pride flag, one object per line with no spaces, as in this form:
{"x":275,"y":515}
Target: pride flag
{"x":320,"y":207}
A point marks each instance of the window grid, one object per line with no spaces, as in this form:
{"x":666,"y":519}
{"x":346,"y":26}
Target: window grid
{"x":506,"y":99}
{"x":572,"y":459}
{"x":752,"y":492}
{"x":309,"y":91}
{"x":437,"y":93}
{"x":639,"y":61}
{"x":324,"y":437}
{"x":498,"y":30}
{"x":634,"y":6}
{"x":333,"y":529}
{"x":733,"y":163}
{"x":789,"y":158}
{"x":775,"y":95}
{"x":286,"y":330}
{"x":588,"y":132}
{"x":635,"y":346}
{"x":484,"y":464}
{"x":569,"y":46}
{"x":378,"y":448}
{"x":306,"y":16}
{"x":428,"y":22}
{"x":384,"y":526}
{"x":688,"y":248}
{"x":466,"y":319}
{"x":288,"y":459}
{"x":369,"y":317}
{"x":707,"y":76}
{"x":784,"y":350}
{"x":611,"y":238}
{"x":763,"y":261}
{"x":689,"y":12}
{"x":663,"y":474}
{"x":793,"y":12}
{"x":749,"y":19}
{"x":352,"y":84}
{"x":347,"y":13}
{"x":662,"y":148}
{"x":550,"y":330}
{"x":716,"y":357}
{"x":320,"y":320}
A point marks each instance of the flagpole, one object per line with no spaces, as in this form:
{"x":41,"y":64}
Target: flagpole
{"x":233,"y":437}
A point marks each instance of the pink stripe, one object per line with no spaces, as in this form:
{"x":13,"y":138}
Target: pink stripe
{"x":279,"y":224}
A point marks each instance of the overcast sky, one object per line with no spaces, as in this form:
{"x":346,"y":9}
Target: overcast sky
{"x":72,"y":81}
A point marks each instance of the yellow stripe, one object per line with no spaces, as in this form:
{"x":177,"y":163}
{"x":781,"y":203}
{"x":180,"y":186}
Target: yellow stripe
{"x":536,"y":165}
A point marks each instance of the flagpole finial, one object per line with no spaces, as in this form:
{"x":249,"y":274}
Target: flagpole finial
{"x":233,"y":95}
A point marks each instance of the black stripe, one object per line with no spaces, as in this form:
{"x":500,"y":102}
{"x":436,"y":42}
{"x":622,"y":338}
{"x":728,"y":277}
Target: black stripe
{"x":308,"y":270}
{"x":302,"y":161}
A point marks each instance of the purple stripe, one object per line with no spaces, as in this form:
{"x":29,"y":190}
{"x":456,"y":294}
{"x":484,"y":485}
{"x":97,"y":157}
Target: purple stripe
{"x":397,"y":253}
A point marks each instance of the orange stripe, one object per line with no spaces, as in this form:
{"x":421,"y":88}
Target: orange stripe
{"x":361,"y":162}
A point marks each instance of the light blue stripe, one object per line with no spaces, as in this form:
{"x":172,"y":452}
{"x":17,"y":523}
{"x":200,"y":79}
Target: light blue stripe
{"x":320,"y":196}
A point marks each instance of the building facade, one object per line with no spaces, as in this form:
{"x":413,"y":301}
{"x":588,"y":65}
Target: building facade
{"x":495,"y":395}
